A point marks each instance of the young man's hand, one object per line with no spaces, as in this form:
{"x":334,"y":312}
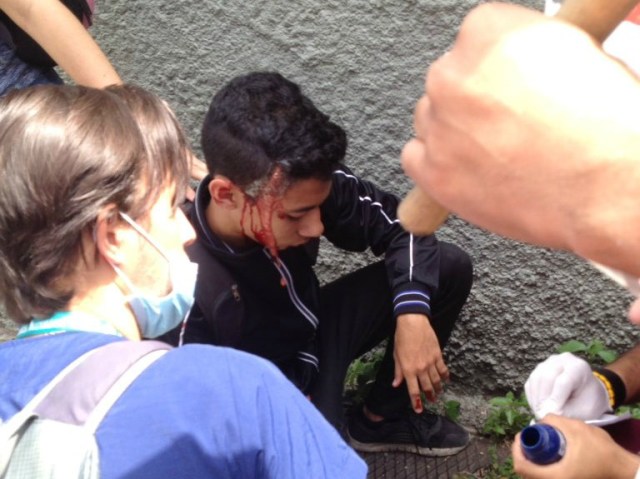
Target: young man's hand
{"x":418,"y":359}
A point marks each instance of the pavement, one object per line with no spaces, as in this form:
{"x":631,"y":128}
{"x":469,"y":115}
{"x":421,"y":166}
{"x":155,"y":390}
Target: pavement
{"x":405,"y":465}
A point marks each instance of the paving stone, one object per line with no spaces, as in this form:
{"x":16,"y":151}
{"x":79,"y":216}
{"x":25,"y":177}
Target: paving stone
{"x":406,"y":465}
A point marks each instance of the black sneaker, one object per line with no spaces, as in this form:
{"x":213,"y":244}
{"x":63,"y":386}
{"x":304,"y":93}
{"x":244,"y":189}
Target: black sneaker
{"x":427,"y":434}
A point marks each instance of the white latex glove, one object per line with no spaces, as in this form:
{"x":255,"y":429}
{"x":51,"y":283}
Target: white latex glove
{"x":563,"y":384}
{"x":551,"y":7}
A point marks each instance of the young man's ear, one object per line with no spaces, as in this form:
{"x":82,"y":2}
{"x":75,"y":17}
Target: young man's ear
{"x":225,"y":193}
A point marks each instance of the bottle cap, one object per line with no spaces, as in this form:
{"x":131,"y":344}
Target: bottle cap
{"x":542,"y":443}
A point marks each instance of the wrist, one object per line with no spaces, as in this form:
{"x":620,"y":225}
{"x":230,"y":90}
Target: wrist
{"x":413,"y":319}
{"x":614,"y":386}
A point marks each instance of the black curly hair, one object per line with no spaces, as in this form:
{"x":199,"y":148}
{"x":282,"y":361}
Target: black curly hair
{"x":261,"y":122}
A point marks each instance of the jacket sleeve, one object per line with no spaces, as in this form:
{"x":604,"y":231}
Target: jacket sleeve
{"x":358,"y":215}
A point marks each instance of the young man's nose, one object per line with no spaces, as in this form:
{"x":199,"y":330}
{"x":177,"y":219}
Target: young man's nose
{"x":311,"y":226}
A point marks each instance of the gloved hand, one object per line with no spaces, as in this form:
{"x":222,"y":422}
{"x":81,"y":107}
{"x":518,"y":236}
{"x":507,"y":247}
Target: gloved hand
{"x":563,"y":384}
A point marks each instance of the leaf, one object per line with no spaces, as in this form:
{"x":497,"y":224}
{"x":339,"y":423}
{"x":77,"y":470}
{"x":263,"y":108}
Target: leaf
{"x":452,"y":409}
{"x":510,"y":416}
{"x":572,"y":346}
{"x":607,"y":356}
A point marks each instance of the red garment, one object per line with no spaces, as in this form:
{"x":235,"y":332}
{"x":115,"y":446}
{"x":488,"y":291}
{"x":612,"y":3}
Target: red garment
{"x":626,"y":434}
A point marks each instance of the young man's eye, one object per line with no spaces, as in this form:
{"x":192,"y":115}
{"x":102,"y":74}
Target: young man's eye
{"x":288,"y":217}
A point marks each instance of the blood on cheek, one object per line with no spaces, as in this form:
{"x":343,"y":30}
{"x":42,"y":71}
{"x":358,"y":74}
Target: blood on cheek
{"x":261,"y":229}
{"x":261,"y":226}
{"x":269,"y":201}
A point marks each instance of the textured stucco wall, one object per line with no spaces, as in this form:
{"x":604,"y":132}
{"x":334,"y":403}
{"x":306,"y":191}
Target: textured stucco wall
{"x":363,"y":62}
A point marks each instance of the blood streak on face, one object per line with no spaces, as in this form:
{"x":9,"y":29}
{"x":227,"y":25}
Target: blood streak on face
{"x":269,"y":200}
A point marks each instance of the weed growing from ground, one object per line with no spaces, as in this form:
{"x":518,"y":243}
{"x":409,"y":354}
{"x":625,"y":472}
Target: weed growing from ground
{"x":507,"y":416}
{"x":362,"y":374}
{"x":594,"y":352}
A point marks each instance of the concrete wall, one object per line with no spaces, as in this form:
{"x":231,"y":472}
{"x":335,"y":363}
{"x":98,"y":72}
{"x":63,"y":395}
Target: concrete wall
{"x":363,"y":62}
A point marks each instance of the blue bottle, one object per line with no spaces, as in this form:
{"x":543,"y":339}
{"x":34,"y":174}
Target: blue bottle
{"x":542,"y":444}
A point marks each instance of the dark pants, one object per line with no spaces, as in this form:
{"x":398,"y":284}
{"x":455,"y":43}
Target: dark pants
{"x":356,"y":314}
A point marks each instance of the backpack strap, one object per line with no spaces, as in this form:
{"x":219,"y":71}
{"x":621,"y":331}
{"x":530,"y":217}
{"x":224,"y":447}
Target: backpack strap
{"x":84,"y":391}
{"x":120,"y":386}
{"x":75,"y":396}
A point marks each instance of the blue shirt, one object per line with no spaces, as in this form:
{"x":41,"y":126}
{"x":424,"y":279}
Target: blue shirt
{"x":199,"y":411}
{"x":15,"y":73}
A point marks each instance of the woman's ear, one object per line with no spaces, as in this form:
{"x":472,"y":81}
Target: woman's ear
{"x":225,"y":193}
{"x":110,"y":235}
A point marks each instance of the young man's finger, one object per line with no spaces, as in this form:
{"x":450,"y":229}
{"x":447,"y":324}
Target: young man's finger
{"x":414,"y":393}
{"x":443,"y":370}
{"x":398,"y":377}
{"x":434,"y":388}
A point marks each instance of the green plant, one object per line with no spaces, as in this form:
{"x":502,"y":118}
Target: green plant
{"x":451,"y":409}
{"x":633,"y":409}
{"x":362,"y":373}
{"x":499,"y":468}
{"x":594,"y":352}
{"x":507,"y":416}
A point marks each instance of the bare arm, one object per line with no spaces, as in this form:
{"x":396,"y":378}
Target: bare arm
{"x":64,"y":38}
{"x":597,"y":17}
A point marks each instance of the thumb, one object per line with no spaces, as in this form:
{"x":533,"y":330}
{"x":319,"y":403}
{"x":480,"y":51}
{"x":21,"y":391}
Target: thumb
{"x":548,"y":406}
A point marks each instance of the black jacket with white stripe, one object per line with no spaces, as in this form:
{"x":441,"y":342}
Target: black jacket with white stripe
{"x":250,"y":301}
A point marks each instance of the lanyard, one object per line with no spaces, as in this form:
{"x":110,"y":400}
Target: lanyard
{"x":66,"y":321}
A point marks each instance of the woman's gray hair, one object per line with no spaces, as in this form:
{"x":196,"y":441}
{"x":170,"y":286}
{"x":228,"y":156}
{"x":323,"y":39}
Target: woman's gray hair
{"x":67,"y":152}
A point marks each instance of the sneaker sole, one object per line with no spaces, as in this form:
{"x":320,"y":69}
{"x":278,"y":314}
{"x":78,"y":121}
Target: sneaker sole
{"x":389,"y":447}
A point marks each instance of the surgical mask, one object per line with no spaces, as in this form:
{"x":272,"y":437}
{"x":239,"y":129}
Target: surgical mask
{"x":156,"y":316}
